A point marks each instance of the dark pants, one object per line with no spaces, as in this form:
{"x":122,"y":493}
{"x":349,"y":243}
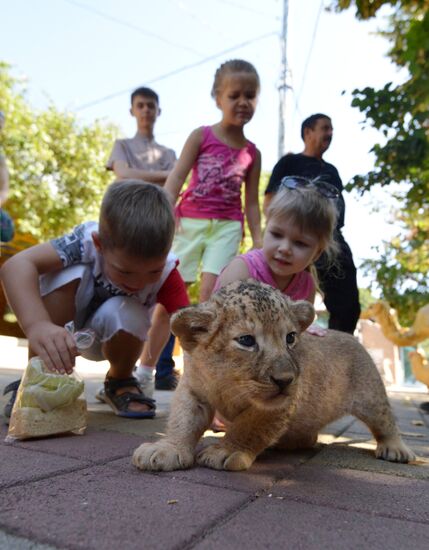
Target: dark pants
{"x":165,"y":364}
{"x":339,"y":286}
{"x":7,"y":229}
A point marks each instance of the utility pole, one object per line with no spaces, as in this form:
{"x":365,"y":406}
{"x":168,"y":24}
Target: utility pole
{"x":282,"y":84}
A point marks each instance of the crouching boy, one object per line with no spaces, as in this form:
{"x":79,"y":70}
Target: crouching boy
{"x":106,"y":276}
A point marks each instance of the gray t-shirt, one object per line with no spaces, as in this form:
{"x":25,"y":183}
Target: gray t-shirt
{"x":142,"y":153}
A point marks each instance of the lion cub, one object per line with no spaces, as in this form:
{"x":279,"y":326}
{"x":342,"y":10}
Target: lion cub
{"x":247,"y":356}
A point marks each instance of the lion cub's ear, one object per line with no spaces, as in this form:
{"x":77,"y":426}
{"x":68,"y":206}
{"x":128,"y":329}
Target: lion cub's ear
{"x":304,"y":313}
{"x":190,"y":323}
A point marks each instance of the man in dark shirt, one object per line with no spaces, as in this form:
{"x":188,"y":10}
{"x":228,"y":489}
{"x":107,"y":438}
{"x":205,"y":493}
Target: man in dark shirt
{"x":337,"y":281}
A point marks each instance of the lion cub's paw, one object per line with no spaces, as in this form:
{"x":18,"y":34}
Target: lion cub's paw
{"x":394,"y":450}
{"x":162,"y":455}
{"x":220,"y":458}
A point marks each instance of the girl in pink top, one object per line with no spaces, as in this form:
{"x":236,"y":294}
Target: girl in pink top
{"x":221,"y":158}
{"x":300,"y":225}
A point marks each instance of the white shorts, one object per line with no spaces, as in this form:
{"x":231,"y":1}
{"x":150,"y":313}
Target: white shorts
{"x":117,"y":313}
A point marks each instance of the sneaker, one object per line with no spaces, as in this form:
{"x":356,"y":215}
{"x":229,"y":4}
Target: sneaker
{"x":146,"y":380}
{"x":13,"y":389}
{"x":100,"y":395}
{"x":166,"y":383}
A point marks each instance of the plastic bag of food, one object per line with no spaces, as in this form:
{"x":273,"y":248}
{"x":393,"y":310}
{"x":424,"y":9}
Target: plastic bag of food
{"x":49,"y":403}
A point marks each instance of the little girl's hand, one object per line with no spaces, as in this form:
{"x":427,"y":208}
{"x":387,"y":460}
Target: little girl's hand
{"x":54,"y":345}
{"x":316,"y":330}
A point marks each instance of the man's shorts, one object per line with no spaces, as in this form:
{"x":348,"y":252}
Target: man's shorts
{"x":211,"y":242}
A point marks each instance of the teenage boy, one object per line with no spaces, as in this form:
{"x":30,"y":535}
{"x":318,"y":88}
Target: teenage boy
{"x":141,"y":157}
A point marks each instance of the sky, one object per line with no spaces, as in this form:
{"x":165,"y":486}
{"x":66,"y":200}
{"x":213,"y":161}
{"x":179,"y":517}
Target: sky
{"x":86,"y":56}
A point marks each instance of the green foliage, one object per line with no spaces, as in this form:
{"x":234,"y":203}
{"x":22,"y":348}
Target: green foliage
{"x":366,"y":298}
{"x":401,"y":113}
{"x":56,"y":165}
{"x":365,"y":9}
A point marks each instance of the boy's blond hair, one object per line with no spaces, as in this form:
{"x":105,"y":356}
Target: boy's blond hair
{"x":138,"y":218}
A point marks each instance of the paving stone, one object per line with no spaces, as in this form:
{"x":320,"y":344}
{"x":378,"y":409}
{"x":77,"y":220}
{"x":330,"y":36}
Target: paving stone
{"x":373,"y":493}
{"x":22,"y":465}
{"x":357,"y":427}
{"x":268,"y":468}
{"x":270,"y":523}
{"x":149,"y":429}
{"x":10,"y":542}
{"x":339,"y":426}
{"x":361,"y":458}
{"x":83,"y":492}
{"x":419,"y":398}
{"x":406,"y":428}
{"x":411,"y":421}
{"x":420,"y":447}
{"x":97,"y":508}
{"x":425,"y":419}
{"x":93,"y":446}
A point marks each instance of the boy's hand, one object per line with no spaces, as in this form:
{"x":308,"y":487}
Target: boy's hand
{"x":54,"y":345}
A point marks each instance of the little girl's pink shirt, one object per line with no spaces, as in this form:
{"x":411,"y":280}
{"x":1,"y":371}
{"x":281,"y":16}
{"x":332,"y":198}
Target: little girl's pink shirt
{"x":301,"y":286}
{"x":214,"y":191}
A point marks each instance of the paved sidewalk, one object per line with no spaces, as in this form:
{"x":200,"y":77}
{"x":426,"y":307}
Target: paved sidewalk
{"x":81,"y":492}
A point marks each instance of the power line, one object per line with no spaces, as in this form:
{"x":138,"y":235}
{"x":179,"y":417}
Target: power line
{"x":190,"y":13}
{"x":246,"y":8}
{"x":313,"y":38}
{"x":295,"y":95}
{"x":130,"y":26}
{"x":179,"y":70}
{"x":295,"y":100}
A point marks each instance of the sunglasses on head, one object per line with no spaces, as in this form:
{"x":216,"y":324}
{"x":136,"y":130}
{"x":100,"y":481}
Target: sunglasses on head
{"x":299,"y":182}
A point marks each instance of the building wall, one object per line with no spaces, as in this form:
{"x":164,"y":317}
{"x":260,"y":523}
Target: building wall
{"x":384,"y":353}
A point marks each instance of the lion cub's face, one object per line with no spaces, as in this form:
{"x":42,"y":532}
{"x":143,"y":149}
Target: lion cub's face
{"x":241,"y":342}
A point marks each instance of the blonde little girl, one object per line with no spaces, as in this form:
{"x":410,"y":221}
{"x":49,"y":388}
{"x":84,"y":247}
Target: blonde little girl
{"x":300,"y":224}
{"x":210,"y":216}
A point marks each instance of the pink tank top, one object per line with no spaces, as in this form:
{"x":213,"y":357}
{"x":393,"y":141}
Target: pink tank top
{"x":301,"y":286}
{"x":215,"y":187}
